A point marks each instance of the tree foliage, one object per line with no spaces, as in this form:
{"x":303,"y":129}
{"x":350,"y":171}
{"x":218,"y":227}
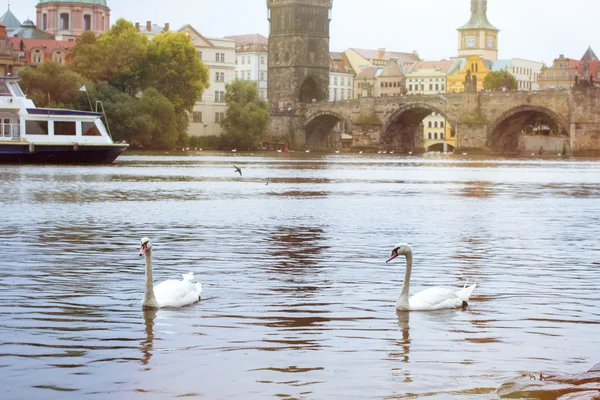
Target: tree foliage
{"x":175,"y":70}
{"x":247,"y":118}
{"x":498,"y":80}
{"x":87,"y":58}
{"x":117,"y":56}
{"x":51,"y":84}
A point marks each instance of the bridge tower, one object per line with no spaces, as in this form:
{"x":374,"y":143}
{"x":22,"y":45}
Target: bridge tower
{"x":298,"y":51}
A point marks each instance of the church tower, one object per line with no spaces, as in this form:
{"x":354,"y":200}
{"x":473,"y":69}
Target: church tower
{"x":478,"y":37}
{"x":298,"y":51}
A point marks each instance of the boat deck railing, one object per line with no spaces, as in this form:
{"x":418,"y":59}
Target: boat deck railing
{"x":10,"y":131}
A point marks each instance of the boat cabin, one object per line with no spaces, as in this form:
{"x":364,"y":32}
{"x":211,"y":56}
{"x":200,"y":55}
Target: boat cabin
{"x":21,"y":120}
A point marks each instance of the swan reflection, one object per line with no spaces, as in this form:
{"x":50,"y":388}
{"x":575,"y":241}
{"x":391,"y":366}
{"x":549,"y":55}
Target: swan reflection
{"x":148,"y":343}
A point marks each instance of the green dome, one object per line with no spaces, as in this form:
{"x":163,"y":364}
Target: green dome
{"x":90,"y":2}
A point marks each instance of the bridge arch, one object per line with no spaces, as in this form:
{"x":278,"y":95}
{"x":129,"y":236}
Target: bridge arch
{"x":402,"y":129}
{"x":505,"y":131}
{"x":319,"y":129}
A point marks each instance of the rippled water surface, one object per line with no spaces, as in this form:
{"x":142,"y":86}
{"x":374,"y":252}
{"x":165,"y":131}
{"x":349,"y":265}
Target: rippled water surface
{"x":298,"y":301}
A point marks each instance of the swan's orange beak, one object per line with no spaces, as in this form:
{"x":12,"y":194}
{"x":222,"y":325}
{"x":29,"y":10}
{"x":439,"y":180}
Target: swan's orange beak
{"x":394,"y":255}
{"x":143,"y":249}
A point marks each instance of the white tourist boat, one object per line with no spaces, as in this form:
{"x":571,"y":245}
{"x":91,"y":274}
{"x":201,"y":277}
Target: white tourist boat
{"x":42,"y":135}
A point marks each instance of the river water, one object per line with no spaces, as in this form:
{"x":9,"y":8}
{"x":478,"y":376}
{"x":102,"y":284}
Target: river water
{"x":298,"y":302}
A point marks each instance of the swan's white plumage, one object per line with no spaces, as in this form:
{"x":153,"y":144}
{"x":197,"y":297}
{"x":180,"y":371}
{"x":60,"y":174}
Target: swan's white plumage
{"x":170,"y":293}
{"x":431,"y":299}
{"x":173,"y":293}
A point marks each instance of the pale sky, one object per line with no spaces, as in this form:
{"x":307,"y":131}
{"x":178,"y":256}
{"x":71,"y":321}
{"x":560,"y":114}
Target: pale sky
{"x":537,"y":30}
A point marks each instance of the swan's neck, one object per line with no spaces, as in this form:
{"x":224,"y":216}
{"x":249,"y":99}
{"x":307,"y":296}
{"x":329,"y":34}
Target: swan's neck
{"x":403,"y":299}
{"x":149,"y":299}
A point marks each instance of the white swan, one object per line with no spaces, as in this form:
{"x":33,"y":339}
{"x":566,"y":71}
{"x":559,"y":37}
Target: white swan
{"x":434,"y":298}
{"x":169,"y":293}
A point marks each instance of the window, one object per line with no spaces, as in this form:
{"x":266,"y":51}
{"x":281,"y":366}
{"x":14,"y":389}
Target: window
{"x":262,"y":75}
{"x":219,"y":117}
{"x":87,"y":22}
{"x":262,"y":60}
{"x":64,"y":21}
{"x":197,"y":117}
{"x":430,"y":124}
{"x":90,"y":129}
{"x":429,"y":135}
{"x":442,"y":124}
{"x":220,"y":57}
{"x":410,"y":87}
{"x":219,"y":96}
{"x":36,"y":127}
{"x":243,"y":60}
{"x":342,"y":94}
{"x":223,"y":57}
{"x":243,"y":75}
{"x":335,"y":80}
{"x":219,"y":76}
{"x":200,"y":55}
{"x":442,"y":135}
{"x":435,"y":124}
{"x":44,"y":22}
{"x":64,"y":128}
{"x":435,"y":136}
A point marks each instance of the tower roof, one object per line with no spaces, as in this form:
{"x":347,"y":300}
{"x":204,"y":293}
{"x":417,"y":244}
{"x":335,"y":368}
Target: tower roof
{"x":10,"y":21}
{"x":89,"y":2}
{"x":589,"y":55}
{"x":479,"y":17}
{"x":29,"y":31}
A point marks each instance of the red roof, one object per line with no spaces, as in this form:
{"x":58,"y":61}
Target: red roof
{"x":48,"y":44}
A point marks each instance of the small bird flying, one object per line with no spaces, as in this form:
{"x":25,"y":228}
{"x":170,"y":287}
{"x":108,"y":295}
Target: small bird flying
{"x":238,"y":170}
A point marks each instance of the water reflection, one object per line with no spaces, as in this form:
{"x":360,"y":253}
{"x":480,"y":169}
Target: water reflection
{"x":301,"y":304}
{"x":147,"y":344}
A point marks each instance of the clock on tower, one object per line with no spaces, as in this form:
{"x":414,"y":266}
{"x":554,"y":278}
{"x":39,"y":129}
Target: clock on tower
{"x":478,"y":37}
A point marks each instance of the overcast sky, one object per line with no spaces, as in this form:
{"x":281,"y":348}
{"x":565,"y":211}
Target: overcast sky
{"x":538,"y":30}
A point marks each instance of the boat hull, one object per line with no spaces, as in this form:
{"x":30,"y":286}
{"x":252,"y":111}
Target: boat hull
{"x":27,"y":153}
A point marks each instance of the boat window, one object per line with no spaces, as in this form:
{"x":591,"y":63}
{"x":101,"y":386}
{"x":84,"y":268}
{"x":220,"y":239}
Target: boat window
{"x":4,"y":89}
{"x":63,"y":128}
{"x":16,"y":89}
{"x":90,"y":129}
{"x":36,"y":127}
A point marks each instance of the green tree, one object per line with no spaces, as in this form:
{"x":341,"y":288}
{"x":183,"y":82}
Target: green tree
{"x":116,"y":57}
{"x":88,"y":58}
{"x":499,"y":80}
{"x":124,"y":50}
{"x":173,"y":67}
{"x":51,"y":84}
{"x":247,"y":118}
{"x":161,"y":113}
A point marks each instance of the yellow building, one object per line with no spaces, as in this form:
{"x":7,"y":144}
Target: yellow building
{"x":475,"y":67}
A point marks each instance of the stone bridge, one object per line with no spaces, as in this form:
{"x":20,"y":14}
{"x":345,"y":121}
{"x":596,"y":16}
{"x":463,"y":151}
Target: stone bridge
{"x":482,"y":122}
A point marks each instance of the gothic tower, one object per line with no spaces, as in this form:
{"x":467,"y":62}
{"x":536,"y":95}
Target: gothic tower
{"x":478,"y":37}
{"x":298,"y":51}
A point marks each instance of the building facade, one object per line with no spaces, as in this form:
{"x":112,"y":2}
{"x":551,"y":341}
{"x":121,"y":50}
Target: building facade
{"x":298,"y":51}
{"x":67,"y":20}
{"x":472,"y":69}
{"x":478,"y":37}
{"x":526,"y":72}
{"x":566,"y":72}
{"x":219,"y":57}
{"x":341,"y":77}
{"x":251,"y":60}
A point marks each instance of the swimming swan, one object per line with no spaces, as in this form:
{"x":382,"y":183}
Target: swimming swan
{"x":434,"y":298}
{"x":169,"y":293}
